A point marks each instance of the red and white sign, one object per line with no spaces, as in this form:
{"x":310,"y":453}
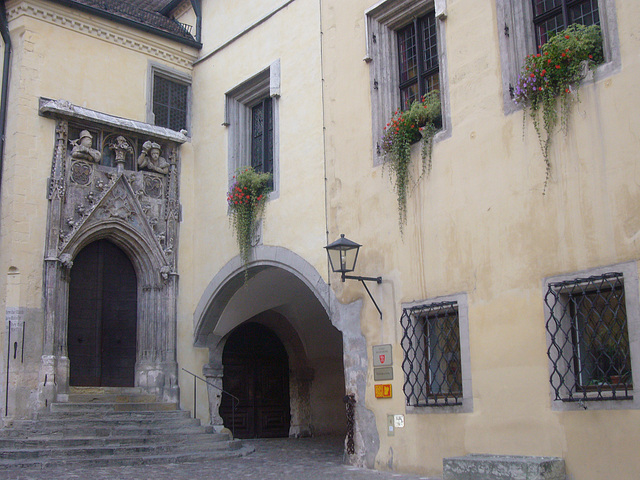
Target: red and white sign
{"x":382,"y":355}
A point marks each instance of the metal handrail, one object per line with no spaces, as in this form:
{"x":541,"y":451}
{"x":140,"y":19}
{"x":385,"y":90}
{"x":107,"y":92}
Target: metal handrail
{"x":234,"y":403}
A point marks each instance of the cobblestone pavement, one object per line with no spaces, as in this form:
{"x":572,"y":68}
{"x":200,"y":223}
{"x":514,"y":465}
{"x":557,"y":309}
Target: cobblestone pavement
{"x":282,"y":459}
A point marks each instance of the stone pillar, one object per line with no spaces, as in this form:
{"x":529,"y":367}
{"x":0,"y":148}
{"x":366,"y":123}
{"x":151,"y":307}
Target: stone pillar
{"x":300,"y":398}
{"x":213,"y":374}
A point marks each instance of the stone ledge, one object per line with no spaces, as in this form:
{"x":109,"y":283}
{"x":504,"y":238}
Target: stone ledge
{"x":503,"y":467}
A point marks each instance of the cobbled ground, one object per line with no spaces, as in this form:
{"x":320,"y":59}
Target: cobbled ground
{"x":281,"y":459}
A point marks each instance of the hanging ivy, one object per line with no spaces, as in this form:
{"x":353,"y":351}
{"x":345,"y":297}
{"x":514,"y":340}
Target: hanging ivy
{"x":419,"y":122}
{"x":551,"y":78}
{"x":247,"y":198}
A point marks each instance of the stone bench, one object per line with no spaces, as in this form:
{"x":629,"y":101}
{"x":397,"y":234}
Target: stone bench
{"x":503,"y":467}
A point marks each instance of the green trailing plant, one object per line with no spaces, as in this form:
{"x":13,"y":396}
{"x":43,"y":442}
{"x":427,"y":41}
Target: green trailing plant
{"x":247,"y":198}
{"x":419,"y":122}
{"x":549,"y":80}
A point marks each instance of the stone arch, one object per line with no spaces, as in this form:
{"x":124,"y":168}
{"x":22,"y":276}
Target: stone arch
{"x":146,"y":255}
{"x":212,"y":324}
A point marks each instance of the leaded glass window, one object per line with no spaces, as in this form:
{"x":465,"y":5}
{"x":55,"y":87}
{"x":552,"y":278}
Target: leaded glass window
{"x":551,"y":16}
{"x":418,"y":59}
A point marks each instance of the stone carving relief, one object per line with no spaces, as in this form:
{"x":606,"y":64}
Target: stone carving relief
{"x":150,"y":158}
{"x":96,"y":192}
{"x":120,"y":148}
{"x":81,"y":173}
{"x":82,"y":148}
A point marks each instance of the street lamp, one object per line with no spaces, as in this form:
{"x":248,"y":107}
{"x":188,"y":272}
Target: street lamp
{"x":343,"y":255}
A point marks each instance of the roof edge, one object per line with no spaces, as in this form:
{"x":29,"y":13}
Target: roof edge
{"x":131,"y":23}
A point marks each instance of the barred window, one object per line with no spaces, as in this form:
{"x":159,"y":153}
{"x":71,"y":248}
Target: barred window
{"x":589,"y":346}
{"x":551,"y":16}
{"x":418,"y":59}
{"x":432,"y":355}
{"x":170,"y":103}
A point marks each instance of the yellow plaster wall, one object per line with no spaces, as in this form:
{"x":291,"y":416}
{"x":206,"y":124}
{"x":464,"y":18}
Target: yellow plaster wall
{"x":61,"y":54}
{"x":481,"y":224}
{"x":294,"y":217}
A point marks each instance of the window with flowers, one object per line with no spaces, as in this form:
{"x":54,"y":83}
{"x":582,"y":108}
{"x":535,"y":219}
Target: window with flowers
{"x":407,"y":58}
{"x":525,"y":25}
{"x":251,"y":115}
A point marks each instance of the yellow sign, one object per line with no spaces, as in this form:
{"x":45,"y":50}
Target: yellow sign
{"x":383,"y":391}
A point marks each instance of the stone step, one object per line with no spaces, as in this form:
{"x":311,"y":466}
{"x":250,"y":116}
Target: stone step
{"x":88,"y":415}
{"x":54,"y":442}
{"x":118,"y":421}
{"x":111,"y":460}
{"x":100,"y":432}
{"x":84,"y":451}
{"x":113,"y":407}
{"x":107,"y":390}
{"x":111,"y":398}
{"x":107,"y":426}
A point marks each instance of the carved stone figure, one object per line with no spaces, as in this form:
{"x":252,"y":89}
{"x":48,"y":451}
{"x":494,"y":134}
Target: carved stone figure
{"x":121,"y":147}
{"x":150,"y":158}
{"x":82,"y":148}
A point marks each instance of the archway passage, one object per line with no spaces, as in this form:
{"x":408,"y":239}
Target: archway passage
{"x":101,"y":338}
{"x":256,"y":370}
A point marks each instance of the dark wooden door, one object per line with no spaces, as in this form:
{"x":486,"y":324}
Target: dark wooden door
{"x":101,"y":336}
{"x":256,"y":370}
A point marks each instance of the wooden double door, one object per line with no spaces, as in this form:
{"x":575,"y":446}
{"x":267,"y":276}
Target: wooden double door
{"x":256,"y":370}
{"x":101,"y":338}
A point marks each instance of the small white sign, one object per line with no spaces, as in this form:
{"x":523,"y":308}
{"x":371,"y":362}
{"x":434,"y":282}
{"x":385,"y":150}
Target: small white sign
{"x":398,"y":421}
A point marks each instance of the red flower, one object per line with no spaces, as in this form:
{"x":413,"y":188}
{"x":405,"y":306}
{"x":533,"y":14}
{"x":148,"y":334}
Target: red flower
{"x":532,"y":75}
{"x":567,"y":37}
{"x":590,"y":56}
{"x":558,"y":66}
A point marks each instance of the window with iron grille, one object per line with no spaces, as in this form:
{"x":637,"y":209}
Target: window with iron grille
{"x":524,"y":25}
{"x":432,"y":355}
{"x":589,"y":339}
{"x":170,"y":101}
{"x":418,"y":59}
{"x":551,"y":16}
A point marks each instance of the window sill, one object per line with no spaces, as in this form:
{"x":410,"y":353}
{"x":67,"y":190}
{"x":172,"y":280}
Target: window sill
{"x":465,"y":407}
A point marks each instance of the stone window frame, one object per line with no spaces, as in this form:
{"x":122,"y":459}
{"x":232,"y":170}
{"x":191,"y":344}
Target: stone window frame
{"x":238,"y":115}
{"x":516,"y":38}
{"x":461,"y":299}
{"x":381,"y":23}
{"x":175,"y":76}
{"x":629,"y":271}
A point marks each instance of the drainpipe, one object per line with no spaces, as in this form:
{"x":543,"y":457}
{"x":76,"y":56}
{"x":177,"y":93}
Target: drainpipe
{"x":6,"y":38}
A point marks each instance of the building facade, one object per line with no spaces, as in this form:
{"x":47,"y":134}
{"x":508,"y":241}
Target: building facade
{"x":507,"y":318}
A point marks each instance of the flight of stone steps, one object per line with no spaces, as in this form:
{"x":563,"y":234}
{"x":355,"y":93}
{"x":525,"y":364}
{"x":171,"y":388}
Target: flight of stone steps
{"x":109,"y":427}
